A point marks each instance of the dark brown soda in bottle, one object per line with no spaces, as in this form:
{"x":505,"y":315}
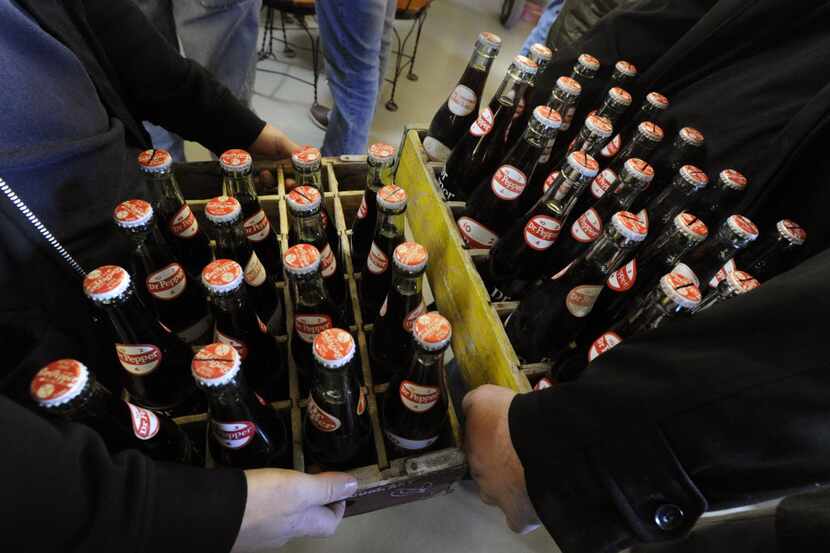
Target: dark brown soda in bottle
{"x":623,"y":74}
{"x":553,"y":313}
{"x":176,"y":220}
{"x":585,"y":69}
{"x":416,"y":402}
{"x":225,"y":214}
{"x":593,"y":135}
{"x":67,"y":389}
{"x":652,"y":109}
{"x":686,"y":185}
{"x":687,"y":149}
{"x":180,"y":303}
{"x":237,"y":325}
{"x":736,"y":233}
{"x":456,"y":115}
{"x":617,"y":100}
{"x":478,"y":152}
{"x":735,"y":283}
{"x":244,"y":432}
{"x":380,"y":164}
{"x":314,"y":311}
{"x":336,"y":424}
{"x":773,"y":254}
{"x":307,"y":163}
{"x":541,"y":56}
{"x":376,"y":276}
{"x":390,"y":344}
{"x":717,"y":200}
{"x":237,"y":182}
{"x":647,"y":136}
{"x":154,"y":359}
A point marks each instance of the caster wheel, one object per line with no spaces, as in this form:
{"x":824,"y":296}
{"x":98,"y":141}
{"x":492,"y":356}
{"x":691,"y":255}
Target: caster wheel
{"x":412,"y":77}
{"x":391,"y":106}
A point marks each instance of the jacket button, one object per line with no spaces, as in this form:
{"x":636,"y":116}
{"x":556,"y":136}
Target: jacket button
{"x":668,"y":517}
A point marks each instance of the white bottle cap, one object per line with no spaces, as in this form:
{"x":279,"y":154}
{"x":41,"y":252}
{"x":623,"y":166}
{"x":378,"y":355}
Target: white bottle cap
{"x":626,"y":68}
{"x":304,"y":199}
{"x":680,"y":290}
{"x":583,"y":163}
{"x":639,"y":169}
{"x":742,"y":226}
{"x":741,"y":282}
{"x":432,"y":331}
{"x":691,"y":227}
{"x":569,"y":85}
{"x":791,"y":231}
{"x":410,"y":257}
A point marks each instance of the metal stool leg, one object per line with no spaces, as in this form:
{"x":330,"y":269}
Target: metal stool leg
{"x":315,"y":55}
{"x":391,"y":105}
{"x":287,"y":50}
{"x":411,"y":73}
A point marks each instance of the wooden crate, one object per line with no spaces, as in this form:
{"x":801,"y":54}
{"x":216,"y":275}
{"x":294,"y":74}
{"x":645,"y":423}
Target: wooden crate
{"x":386,"y":482}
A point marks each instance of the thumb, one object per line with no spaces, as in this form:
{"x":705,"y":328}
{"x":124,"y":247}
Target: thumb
{"x":327,"y":487}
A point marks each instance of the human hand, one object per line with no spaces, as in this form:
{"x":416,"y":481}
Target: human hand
{"x":272,"y":143}
{"x":286,"y":504}
{"x":494,"y":464}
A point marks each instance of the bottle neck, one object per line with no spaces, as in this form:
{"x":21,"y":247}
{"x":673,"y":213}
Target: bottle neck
{"x":651,"y":314}
{"x":639,"y":146}
{"x":389,"y":223}
{"x":150,"y":244}
{"x":332,"y":385}
{"x":481,"y":60}
{"x":427,"y":366}
{"x":232,"y":401}
{"x":305,"y":177}
{"x":560,"y":100}
{"x":233,"y":304}
{"x":512,"y":88}
{"x":611,"y":109}
{"x":626,"y":191}
{"x":230,"y":235}
{"x":666,"y":250}
{"x":536,"y":136}
{"x":766,"y":252}
{"x":132,"y":320}
{"x":565,"y":191}
{"x":164,"y":185}
{"x":406,"y":284}
{"x":309,"y":290}
{"x":308,"y":227}
{"x":608,"y":252}
{"x":239,"y":183}
{"x":378,"y":176}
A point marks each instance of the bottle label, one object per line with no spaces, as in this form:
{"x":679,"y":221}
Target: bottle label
{"x":603,"y":344}
{"x":168,"y":283}
{"x":409,"y":320}
{"x":484,"y":124}
{"x":601,"y":184}
{"x":580,"y":300}
{"x":257,"y":226}
{"x":322,"y":421}
{"x":238,"y":345}
{"x":611,"y":149}
{"x":410,"y":445}
{"x":587,"y":227}
{"x":145,"y":423}
{"x":362,"y":210}
{"x":543,"y":384}
{"x":377,"y":262}
{"x":562,"y":272}
{"x":541,"y":232}
{"x":568,"y":118}
{"x":623,"y":278}
{"x":418,"y":398}
{"x":508,"y":182}
{"x":233,"y":435}
{"x":722,"y":273}
{"x":328,"y":263}
{"x":475,"y":234}
{"x":138,"y":359}
{"x":462,"y":100}
{"x":684,"y":270}
{"x":436,"y":151}
{"x":309,"y":326}
{"x":184,"y":223}
{"x":254,"y":271}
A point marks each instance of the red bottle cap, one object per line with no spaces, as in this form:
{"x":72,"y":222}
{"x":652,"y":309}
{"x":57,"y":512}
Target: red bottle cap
{"x":301,"y":259}
{"x":215,"y":365}
{"x":333,"y":348}
{"x":223,"y":209}
{"x":304,"y":199}
{"x":621,"y":96}
{"x":583,"y":163}
{"x":222,"y":276}
{"x":491,"y":39}
{"x":525,"y":64}
{"x":540,"y":52}
{"x":694,"y":176}
{"x":651,"y":131}
{"x":132,"y":213}
{"x":680,"y":290}
{"x":106,"y":283}
{"x":569,"y":85}
{"x":692,"y":227}
{"x":549,"y":118}
{"x":691,"y":135}
{"x":410,"y":257}
{"x":432,"y":331}
{"x":59,"y":382}
{"x":392,"y":198}
{"x":791,"y":231}
{"x":588,"y":61}
{"x":235,"y":161}
{"x":600,"y":126}
{"x":733,"y":179}
{"x":629,"y":225}
{"x":381,"y":153}
{"x":626,"y":68}
{"x":306,"y":157}
{"x":742,"y":226}
{"x":741,"y":282}
{"x":639,"y":169}
{"x":155,"y":161}
{"x":657,"y":100}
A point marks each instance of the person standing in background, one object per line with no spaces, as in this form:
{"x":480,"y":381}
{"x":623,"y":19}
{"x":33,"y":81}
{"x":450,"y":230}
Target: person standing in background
{"x":540,"y":31}
{"x":220,"y":35}
{"x":356,"y":37}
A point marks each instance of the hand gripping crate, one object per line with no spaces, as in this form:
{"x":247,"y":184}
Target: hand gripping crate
{"x":385,"y":481}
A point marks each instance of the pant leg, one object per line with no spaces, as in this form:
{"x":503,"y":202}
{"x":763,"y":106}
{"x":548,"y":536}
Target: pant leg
{"x":386,"y":40}
{"x":351,"y":34}
{"x":540,"y":31}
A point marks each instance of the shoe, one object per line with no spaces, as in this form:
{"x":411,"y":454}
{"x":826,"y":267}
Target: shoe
{"x":320,"y":116}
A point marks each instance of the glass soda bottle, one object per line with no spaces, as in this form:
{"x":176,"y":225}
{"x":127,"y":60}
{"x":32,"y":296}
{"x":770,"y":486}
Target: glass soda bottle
{"x":772,"y":255}
{"x":585,"y":69}
{"x":67,"y":389}
{"x":735,"y":283}
{"x":651,"y":110}
{"x":154,"y":359}
{"x":244,"y":432}
{"x":307,"y":163}
{"x":237,"y":325}
{"x":390,"y":344}
{"x":456,"y":115}
{"x":380,"y":164}
{"x":478,"y":152}
{"x":415,"y":404}
{"x":592,"y":136}
{"x":180,"y":305}
{"x":736,"y":233}
{"x":336,"y":424}
{"x":237,"y":182}
{"x":686,"y":149}
{"x":717,"y":200}
{"x":623,"y":74}
{"x":389,"y":230}
{"x":541,"y":56}
{"x":177,"y":222}
{"x":613,"y":107}
{"x":686,"y":185}
{"x":647,"y":136}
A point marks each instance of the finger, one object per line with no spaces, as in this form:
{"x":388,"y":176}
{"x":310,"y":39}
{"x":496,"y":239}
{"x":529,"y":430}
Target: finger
{"x":324,"y":488}
{"x":339,"y":508}
{"x":321,"y":521}
{"x":519,"y":525}
{"x":486,"y":499}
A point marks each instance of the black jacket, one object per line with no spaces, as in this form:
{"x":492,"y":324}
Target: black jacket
{"x":730,"y":407}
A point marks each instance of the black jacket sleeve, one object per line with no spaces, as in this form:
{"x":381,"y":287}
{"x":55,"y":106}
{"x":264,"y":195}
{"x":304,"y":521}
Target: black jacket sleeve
{"x":64,"y":493}
{"x":164,"y":88}
{"x":730,"y":406}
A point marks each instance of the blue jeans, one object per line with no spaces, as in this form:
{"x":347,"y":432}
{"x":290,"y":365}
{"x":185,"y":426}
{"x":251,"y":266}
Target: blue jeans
{"x":355,"y":37}
{"x":220,"y":35}
{"x":540,"y":31}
